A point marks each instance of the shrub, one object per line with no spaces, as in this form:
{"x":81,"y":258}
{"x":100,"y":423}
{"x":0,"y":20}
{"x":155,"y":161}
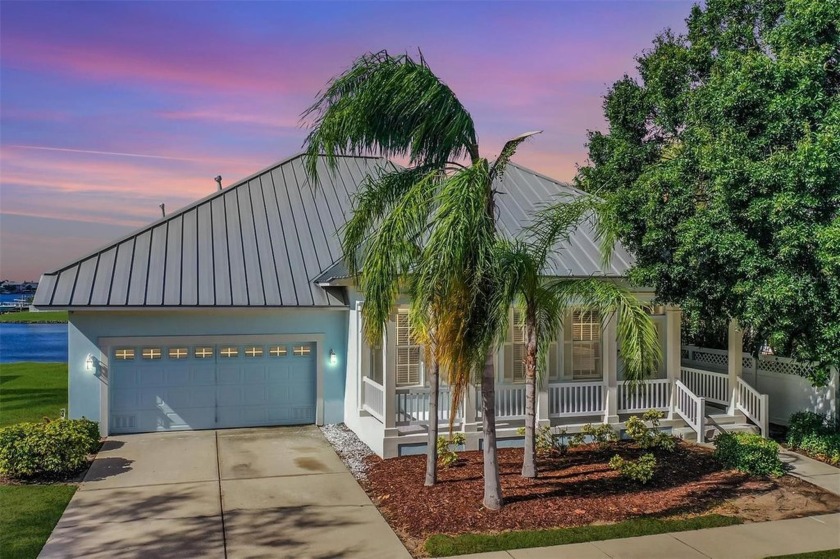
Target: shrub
{"x":640,"y":470}
{"x":823,"y":445}
{"x":749,"y":453}
{"x":804,"y":423}
{"x":547,"y":443}
{"x":602,"y":435}
{"x":809,"y":431}
{"x":446,"y":454}
{"x":55,"y":449}
{"x":649,"y":437}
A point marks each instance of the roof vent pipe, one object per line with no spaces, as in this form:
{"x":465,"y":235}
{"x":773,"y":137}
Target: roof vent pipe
{"x":218,"y":179}
{"x":163,"y":210}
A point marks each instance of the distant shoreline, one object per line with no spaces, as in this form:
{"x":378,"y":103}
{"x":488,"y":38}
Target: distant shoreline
{"x":28,"y":317}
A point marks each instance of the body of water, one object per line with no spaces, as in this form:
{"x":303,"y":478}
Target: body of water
{"x":31,"y":342}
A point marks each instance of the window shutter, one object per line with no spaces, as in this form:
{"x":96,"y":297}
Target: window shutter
{"x":407,"y":352}
{"x":567,"y":345}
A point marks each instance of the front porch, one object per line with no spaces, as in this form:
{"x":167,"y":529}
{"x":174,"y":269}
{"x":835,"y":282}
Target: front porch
{"x":696,"y":406}
{"x":393,"y":419}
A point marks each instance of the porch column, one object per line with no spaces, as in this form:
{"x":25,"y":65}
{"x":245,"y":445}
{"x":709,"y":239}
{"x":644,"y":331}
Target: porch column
{"x":735,"y":362}
{"x":542,"y":402}
{"x":673,"y":353}
{"x":470,"y":420}
{"x":389,"y":380}
{"x":610,"y":367}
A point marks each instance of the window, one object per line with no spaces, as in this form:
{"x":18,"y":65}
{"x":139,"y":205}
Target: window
{"x":376,"y":364}
{"x":229,"y":351}
{"x":301,"y":350}
{"x":203,"y":352}
{"x":124,"y":353}
{"x":583,"y":345}
{"x":514,"y":369}
{"x":254,"y":351}
{"x":151,"y":353}
{"x":408,"y":352}
{"x":178,"y":353}
{"x":277,"y":351}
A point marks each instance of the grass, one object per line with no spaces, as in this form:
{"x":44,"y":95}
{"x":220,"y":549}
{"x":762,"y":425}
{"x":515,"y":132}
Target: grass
{"x":28,"y":514}
{"x":31,"y":391}
{"x":446,"y":546}
{"x":26,"y":317}
{"x":827,"y":554}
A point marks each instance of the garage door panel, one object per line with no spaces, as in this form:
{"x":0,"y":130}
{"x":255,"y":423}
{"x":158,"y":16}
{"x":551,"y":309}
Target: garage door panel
{"x":242,"y":389}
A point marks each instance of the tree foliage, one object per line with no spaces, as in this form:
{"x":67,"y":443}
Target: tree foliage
{"x":721,"y":170}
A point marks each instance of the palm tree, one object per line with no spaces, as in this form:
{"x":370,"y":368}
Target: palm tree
{"x":428,"y":229}
{"x":543,"y":303}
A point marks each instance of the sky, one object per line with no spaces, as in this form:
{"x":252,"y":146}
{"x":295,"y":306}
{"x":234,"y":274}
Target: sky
{"x":108,"y":109}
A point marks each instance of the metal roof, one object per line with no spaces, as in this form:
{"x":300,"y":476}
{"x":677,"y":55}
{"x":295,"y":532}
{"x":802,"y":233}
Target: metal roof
{"x":270,"y":240}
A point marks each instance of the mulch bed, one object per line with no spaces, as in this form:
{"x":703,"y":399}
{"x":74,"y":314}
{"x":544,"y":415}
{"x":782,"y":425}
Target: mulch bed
{"x":573,"y":490}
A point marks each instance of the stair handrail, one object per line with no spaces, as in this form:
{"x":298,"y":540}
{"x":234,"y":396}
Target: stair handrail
{"x":691,"y":408}
{"x":754,"y":405}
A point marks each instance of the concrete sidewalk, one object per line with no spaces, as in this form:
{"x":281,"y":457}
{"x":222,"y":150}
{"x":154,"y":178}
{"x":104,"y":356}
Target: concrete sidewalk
{"x":819,"y":473}
{"x":747,"y":541}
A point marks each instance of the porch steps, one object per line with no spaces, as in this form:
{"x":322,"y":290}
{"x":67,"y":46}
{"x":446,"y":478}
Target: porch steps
{"x":717,"y":421}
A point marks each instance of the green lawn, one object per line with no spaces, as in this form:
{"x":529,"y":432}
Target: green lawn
{"x":31,"y":391}
{"x":446,"y":546}
{"x":26,"y":317}
{"x":28,"y":513}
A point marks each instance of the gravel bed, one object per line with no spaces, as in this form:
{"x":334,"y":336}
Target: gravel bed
{"x":348,"y":446}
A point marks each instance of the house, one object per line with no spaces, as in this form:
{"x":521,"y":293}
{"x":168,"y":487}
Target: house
{"x":236,"y":311}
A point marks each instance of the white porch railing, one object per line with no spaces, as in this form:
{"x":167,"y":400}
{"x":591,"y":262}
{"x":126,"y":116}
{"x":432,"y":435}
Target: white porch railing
{"x":754,"y":405}
{"x":652,"y":394}
{"x":413,"y":405}
{"x":576,"y":398}
{"x":510,"y":401}
{"x":373,"y":400}
{"x":691,"y":408}
{"x":712,"y":386}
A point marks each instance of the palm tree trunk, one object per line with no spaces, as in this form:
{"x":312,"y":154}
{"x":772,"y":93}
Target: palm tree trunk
{"x":492,"y":483}
{"x":529,"y":461}
{"x":431,"y":452}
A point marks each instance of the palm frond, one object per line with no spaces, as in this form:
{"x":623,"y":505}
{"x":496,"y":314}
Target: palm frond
{"x":393,"y":106}
{"x":555,"y":223}
{"x":509,"y":149}
{"x":377,"y":196}
{"x":392,"y":252}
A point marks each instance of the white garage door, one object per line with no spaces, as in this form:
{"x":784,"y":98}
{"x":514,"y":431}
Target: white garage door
{"x":181,"y":386}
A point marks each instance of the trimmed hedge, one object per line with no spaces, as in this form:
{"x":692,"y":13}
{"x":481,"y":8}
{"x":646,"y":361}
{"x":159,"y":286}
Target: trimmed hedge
{"x":749,"y":453}
{"x":53,"y":450}
{"x":811,"y":433}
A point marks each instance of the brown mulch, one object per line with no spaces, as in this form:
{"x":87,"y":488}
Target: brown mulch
{"x":573,"y":490}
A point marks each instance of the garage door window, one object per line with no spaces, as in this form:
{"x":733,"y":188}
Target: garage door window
{"x":152,"y":353}
{"x":277,"y":351}
{"x":229,"y":351}
{"x":178,"y":353}
{"x":254,"y":351}
{"x":203,"y":352}
{"x":301,"y":350}
{"x":124,"y":353}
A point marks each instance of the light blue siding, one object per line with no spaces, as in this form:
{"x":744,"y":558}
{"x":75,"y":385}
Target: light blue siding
{"x":87,"y":329}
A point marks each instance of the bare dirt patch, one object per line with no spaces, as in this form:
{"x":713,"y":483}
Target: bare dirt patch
{"x":577,"y":489}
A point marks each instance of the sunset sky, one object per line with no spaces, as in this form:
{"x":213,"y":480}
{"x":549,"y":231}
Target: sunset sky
{"x":109,"y":109}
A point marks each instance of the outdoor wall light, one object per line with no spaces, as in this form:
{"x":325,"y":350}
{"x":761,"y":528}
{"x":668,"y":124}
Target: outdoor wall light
{"x":89,"y":362}
{"x":333,"y":357}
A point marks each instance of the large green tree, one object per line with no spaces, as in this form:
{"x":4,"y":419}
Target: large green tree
{"x":721,"y":170}
{"x":429,"y":229}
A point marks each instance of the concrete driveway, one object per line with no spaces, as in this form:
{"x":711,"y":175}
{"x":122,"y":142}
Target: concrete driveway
{"x":271,"y":492}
